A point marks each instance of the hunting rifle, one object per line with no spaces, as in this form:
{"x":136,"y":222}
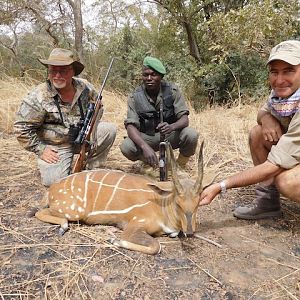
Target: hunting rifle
{"x":163,"y":165}
{"x":83,"y":138}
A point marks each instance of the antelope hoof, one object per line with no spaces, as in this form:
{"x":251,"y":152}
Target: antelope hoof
{"x":113,"y":241}
{"x":62,"y":231}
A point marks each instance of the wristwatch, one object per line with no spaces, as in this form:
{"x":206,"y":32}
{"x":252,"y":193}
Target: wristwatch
{"x":223,"y":188}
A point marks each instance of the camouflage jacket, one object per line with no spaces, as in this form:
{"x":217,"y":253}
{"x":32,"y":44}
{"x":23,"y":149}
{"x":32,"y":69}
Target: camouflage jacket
{"x":38,"y":121}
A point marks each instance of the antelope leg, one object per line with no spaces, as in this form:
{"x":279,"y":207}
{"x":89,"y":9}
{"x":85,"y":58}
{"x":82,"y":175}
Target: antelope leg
{"x":45,"y":215}
{"x":137,"y":240}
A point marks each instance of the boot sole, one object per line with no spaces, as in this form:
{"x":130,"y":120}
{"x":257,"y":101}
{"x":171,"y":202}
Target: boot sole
{"x":272,"y":214}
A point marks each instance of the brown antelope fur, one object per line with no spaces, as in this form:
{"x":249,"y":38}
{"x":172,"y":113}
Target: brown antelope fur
{"x":138,"y":205}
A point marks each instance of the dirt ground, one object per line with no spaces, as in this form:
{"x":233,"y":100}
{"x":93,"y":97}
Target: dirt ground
{"x":248,"y":260}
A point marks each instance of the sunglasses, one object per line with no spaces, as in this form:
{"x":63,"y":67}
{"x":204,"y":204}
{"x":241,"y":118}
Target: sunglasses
{"x":60,"y":71}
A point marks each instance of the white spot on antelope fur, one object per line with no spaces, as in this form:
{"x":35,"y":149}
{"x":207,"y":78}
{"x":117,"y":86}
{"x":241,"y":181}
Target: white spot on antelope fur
{"x":167,"y":229}
{"x":64,"y":226}
{"x":141,"y":220}
{"x":77,"y":217}
{"x":123,"y":211}
{"x":174,"y":234}
{"x":123,"y":244}
{"x":80,"y":209}
{"x":67,"y":216}
{"x":79,"y":198}
{"x":60,"y":190}
{"x":72,"y":197}
{"x":79,"y":189}
{"x":64,"y":202}
{"x":134,"y":218}
{"x":72,"y":184}
{"x":60,"y":210}
{"x":72,"y":206}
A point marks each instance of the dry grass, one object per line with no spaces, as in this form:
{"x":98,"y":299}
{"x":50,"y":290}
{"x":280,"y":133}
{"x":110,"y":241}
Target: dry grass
{"x":246,"y":260}
{"x":223,"y":130}
{"x":219,"y":127}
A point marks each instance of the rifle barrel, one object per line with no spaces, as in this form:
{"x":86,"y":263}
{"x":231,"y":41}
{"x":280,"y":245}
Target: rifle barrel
{"x":89,"y":122}
{"x":105,"y":79}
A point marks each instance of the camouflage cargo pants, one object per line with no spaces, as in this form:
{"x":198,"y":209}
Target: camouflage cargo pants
{"x":102,"y":140}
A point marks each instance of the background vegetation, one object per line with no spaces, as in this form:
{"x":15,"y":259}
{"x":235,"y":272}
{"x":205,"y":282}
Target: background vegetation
{"x":215,"y":50}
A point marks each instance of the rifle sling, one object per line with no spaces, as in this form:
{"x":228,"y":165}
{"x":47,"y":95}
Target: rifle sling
{"x":79,"y":103}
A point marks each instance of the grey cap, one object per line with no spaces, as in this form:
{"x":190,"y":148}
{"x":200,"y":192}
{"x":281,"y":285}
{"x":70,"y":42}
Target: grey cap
{"x":288,"y":51}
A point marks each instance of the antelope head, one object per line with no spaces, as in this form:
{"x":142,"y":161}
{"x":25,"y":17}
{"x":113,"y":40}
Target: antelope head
{"x":186,"y":194}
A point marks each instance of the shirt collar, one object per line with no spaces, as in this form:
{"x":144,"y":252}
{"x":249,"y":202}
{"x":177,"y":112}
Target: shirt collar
{"x":78,"y":85}
{"x":158,"y":98}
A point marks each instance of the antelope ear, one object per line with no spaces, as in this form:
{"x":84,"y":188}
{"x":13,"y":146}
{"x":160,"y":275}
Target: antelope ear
{"x":163,"y":188}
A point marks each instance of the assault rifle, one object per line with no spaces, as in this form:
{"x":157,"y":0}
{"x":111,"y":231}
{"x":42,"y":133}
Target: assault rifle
{"x":163,"y":165}
{"x":83,"y":138}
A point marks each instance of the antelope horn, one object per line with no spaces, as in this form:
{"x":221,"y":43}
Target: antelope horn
{"x":198,"y":183}
{"x":175,"y":178}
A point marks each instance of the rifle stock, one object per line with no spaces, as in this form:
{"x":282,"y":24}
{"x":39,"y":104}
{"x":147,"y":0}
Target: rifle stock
{"x":80,"y":161}
{"x":83,"y":138}
{"x":163,"y":165}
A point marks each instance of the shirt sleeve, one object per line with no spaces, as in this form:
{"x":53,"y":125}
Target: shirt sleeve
{"x":29,"y":119}
{"x":132,"y":116}
{"x":286,"y":153}
{"x":93,"y":93}
{"x":265,"y":107}
{"x":180,"y":106}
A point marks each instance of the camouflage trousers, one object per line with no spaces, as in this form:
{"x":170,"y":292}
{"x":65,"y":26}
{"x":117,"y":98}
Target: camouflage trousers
{"x":102,"y":140}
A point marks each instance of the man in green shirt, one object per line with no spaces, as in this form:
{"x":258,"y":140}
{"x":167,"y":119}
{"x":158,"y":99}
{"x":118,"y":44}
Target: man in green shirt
{"x":143,"y":123}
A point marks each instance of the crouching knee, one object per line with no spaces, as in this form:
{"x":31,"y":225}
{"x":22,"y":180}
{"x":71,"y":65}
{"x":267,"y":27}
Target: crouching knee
{"x":287,"y":183}
{"x":129,"y":149}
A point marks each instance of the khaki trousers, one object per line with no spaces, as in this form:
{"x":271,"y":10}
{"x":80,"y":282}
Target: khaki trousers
{"x":102,"y":140}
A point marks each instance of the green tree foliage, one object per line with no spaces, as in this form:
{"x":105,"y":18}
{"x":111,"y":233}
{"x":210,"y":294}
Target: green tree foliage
{"x":214,"y":50}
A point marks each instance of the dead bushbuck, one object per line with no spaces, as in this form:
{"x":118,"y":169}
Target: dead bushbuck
{"x":138,"y":205}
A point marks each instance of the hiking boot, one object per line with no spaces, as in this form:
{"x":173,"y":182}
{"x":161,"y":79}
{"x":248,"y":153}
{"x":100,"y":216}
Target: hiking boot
{"x":267,"y":205}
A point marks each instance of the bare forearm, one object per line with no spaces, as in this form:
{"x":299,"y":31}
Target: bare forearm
{"x":253,"y":175}
{"x":135,"y":136}
{"x":250,"y":176}
{"x":260,"y":115}
{"x":181,"y":123}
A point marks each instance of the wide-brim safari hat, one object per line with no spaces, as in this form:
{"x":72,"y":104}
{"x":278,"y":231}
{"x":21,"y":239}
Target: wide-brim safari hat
{"x":288,"y":51}
{"x":63,"y":57}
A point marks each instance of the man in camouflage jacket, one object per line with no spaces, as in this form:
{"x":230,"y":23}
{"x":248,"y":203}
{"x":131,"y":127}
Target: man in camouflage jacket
{"x":48,"y":118}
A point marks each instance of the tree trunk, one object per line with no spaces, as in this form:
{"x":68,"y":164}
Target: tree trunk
{"x":193,"y":45}
{"x":76,"y":8}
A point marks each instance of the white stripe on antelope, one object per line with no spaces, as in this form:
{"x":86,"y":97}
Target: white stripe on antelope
{"x":140,"y":206}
